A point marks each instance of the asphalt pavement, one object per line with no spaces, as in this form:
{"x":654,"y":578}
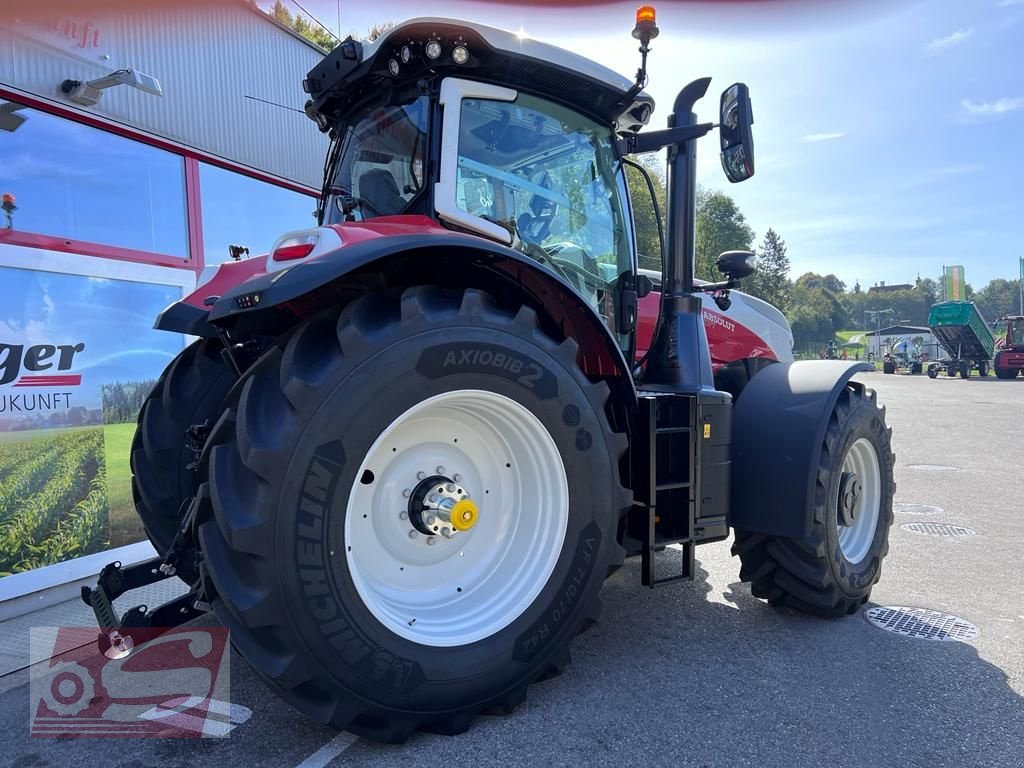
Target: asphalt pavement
{"x":702,"y":674}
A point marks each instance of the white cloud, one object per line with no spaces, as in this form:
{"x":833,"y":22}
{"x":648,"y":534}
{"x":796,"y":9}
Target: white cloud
{"x":813,"y":138}
{"x":942,"y":43}
{"x":1008,"y":3}
{"x":991,"y":108}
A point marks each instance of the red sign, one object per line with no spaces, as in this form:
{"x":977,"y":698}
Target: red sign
{"x":174,"y":684}
{"x":84,"y":33}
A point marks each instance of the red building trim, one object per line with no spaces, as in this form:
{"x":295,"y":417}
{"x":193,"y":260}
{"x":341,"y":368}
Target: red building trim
{"x":194,"y":212}
{"x":84,"y":248}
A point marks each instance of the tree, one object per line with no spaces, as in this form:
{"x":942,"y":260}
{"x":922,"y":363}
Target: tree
{"x":1000,"y":297}
{"x":721,"y":226}
{"x":810,"y":314}
{"x":311,"y":30}
{"x":644,"y":220}
{"x":771,"y":279}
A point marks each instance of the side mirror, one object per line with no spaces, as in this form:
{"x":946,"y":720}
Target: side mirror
{"x":736,"y":119}
{"x":736,"y":264}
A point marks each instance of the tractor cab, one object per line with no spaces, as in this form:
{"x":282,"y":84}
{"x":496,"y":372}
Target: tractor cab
{"x":1015,"y":333}
{"x":491,"y":134}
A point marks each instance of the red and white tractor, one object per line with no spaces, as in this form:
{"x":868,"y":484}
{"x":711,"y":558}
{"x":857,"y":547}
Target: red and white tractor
{"x":1009,"y":357}
{"x":413,"y":441}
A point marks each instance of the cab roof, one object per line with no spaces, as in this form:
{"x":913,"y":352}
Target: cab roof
{"x":354,"y":70}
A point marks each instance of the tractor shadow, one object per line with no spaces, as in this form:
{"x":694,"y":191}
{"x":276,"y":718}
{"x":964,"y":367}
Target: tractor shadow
{"x":720,"y":677}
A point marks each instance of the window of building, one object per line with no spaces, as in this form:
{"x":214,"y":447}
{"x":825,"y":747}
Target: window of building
{"x":241,"y":210}
{"x":77,"y":182}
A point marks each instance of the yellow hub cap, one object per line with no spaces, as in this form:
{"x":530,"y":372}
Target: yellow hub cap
{"x":464,"y":515}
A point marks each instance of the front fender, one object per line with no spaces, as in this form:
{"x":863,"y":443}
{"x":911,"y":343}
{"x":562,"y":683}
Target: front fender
{"x":779,"y":425}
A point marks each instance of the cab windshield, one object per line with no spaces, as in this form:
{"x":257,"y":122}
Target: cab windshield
{"x":553,"y":178}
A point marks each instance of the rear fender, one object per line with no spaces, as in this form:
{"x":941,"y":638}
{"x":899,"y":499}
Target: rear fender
{"x":779,"y":425}
{"x":269,"y":304}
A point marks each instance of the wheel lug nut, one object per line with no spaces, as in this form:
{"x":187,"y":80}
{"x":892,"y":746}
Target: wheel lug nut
{"x":457,"y":478}
{"x":440,"y":470}
{"x":431,"y":520}
{"x":412,"y":534}
{"x":450,"y":487}
{"x":434,"y":498}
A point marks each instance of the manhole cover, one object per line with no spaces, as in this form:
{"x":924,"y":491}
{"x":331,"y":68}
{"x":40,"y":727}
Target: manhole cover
{"x":932,"y":467}
{"x":921,"y":623}
{"x":937,"y":529}
{"x":905,"y":508}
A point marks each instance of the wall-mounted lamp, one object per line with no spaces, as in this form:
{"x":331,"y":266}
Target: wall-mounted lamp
{"x":88,"y":93}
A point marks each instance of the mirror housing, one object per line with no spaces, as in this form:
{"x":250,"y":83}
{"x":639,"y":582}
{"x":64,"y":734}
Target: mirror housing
{"x":736,"y":118}
{"x":736,"y":265}
{"x":644,"y":285}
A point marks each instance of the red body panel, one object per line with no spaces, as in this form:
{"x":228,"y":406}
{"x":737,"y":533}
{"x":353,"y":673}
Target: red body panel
{"x":727,"y":339}
{"x":1009,"y":359}
{"x":233,"y":273}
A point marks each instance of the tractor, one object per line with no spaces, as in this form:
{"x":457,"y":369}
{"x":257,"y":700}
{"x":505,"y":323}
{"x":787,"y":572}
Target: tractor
{"x":1009,"y":358}
{"x":412,"y":442}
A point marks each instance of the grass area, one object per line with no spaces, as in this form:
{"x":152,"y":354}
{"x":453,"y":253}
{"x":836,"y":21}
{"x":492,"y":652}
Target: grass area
{"x":125,"y":527}
{"x":844,"y":336}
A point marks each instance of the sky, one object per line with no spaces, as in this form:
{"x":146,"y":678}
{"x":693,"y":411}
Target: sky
{"x":887,"y":134}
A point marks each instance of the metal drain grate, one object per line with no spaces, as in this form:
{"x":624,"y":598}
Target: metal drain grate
{"x":904,"y":508}
{"x":933,"y":467}
{"x":921,"y":623}
{"x":937,"y":529}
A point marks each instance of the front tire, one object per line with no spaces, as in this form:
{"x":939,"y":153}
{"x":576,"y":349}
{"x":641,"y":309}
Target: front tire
{"x":831,"y":571}
{"x":317,"y":545}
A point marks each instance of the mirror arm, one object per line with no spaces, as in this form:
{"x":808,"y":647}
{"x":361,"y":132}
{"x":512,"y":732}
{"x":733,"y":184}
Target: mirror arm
{"x":724,"y":285}
{"x":652,"y":141}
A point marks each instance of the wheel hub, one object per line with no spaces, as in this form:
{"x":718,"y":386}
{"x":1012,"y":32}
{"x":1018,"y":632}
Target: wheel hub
{"x":440,"y":506}
{"x":850,"y":489}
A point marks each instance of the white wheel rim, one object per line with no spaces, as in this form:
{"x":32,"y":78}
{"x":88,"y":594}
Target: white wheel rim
{"x":465,"y":588}
{"x":855,"y":540}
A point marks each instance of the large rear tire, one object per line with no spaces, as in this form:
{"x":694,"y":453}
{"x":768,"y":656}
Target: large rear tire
{"x":190,"y":391}
{"x":831,"y":571}
{"x":325,"y":561}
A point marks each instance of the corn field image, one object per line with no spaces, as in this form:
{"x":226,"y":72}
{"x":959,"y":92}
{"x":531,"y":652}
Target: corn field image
{"x":53,"y":499}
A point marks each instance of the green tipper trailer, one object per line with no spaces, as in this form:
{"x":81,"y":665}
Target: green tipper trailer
{"x":963,"y":334}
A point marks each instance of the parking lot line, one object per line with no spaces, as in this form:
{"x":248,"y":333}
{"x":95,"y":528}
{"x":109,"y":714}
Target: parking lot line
{"x":329,"y":751}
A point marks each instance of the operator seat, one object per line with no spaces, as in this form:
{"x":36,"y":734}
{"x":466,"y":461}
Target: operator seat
{"x":536,"y":223}
{"x":378,"y":194}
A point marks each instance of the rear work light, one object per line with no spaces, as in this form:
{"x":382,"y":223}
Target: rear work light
{"x":291,"y":247}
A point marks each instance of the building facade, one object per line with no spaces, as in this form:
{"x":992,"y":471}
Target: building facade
{"x":119,"y":187}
